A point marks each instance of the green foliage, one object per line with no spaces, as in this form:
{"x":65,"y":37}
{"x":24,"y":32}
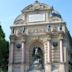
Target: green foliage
{"x":4,"y":50}
{"x":2,"y":35}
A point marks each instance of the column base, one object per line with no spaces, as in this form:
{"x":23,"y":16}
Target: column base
{"x":10,"y":68}
{"x":47,"y":67}
{"x":22,"y":68}
{"x":62,"y":67}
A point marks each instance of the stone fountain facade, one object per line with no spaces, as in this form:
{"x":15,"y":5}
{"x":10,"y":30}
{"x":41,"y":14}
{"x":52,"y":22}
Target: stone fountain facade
{"x":39,"y":41}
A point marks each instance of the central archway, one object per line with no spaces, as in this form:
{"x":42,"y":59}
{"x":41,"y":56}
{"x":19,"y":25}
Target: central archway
{"x":36,"y":46}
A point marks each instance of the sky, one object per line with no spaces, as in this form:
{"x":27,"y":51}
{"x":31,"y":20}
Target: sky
{"x":10,"y":9}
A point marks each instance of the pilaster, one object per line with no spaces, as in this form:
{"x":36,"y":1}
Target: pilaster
{"x":62,"y":64}
{"x":49,"y":49}
{"x":23,"y":54}
{"x":61,"y":48}
{"x":62,"y":67}
{"x":11,"y":52}
{"x":48,"y":67}
{"x":47,"y":55}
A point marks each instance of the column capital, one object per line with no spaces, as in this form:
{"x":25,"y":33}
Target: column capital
{"x":23,"y":40}
{"x":48,"y":63}
{"x":61,"y":51}
{"x":48,"y":37}
{"x":61,"y":36}
{"x":13,"y":38}
{"x":12,"y":41}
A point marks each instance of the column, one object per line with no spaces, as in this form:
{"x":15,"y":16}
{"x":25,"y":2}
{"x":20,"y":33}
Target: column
{"x":12,"y":44}
{"x":62,"y":64}
{"x":49,"y":51}
{"x":61,"y":51}
{"x":23,"y":47}
{"x":49,"y":55}
{"x":11,"y":51}
{"x":23,"y":55}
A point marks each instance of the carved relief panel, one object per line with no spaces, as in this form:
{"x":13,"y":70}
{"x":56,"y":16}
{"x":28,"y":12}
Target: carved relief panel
{"x":37,"y":30}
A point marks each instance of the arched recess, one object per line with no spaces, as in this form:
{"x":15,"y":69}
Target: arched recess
{"x":35,"y":43}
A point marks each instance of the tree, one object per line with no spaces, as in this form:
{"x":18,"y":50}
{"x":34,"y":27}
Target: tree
{"x":4,"y":50}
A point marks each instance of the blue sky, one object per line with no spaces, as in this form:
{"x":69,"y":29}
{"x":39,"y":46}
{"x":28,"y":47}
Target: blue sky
{"x":10,"y":9}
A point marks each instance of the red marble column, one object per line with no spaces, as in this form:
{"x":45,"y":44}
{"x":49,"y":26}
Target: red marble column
{"x":23,"y":54}
{"x":61,"y":51}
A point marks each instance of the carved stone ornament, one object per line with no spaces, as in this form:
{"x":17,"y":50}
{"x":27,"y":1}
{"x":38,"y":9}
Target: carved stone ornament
{"x":55,"y":44}
{"x":48,"y":37}
{"x":13,"y":38}
{"x":18,"y":45}
{"x":61,"y":36}
{"x":20,"y":21}
{"x":36,"y":6}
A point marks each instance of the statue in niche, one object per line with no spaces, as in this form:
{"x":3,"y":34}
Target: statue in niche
{"x":37,"y":61}
{"x":37,"y":54}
